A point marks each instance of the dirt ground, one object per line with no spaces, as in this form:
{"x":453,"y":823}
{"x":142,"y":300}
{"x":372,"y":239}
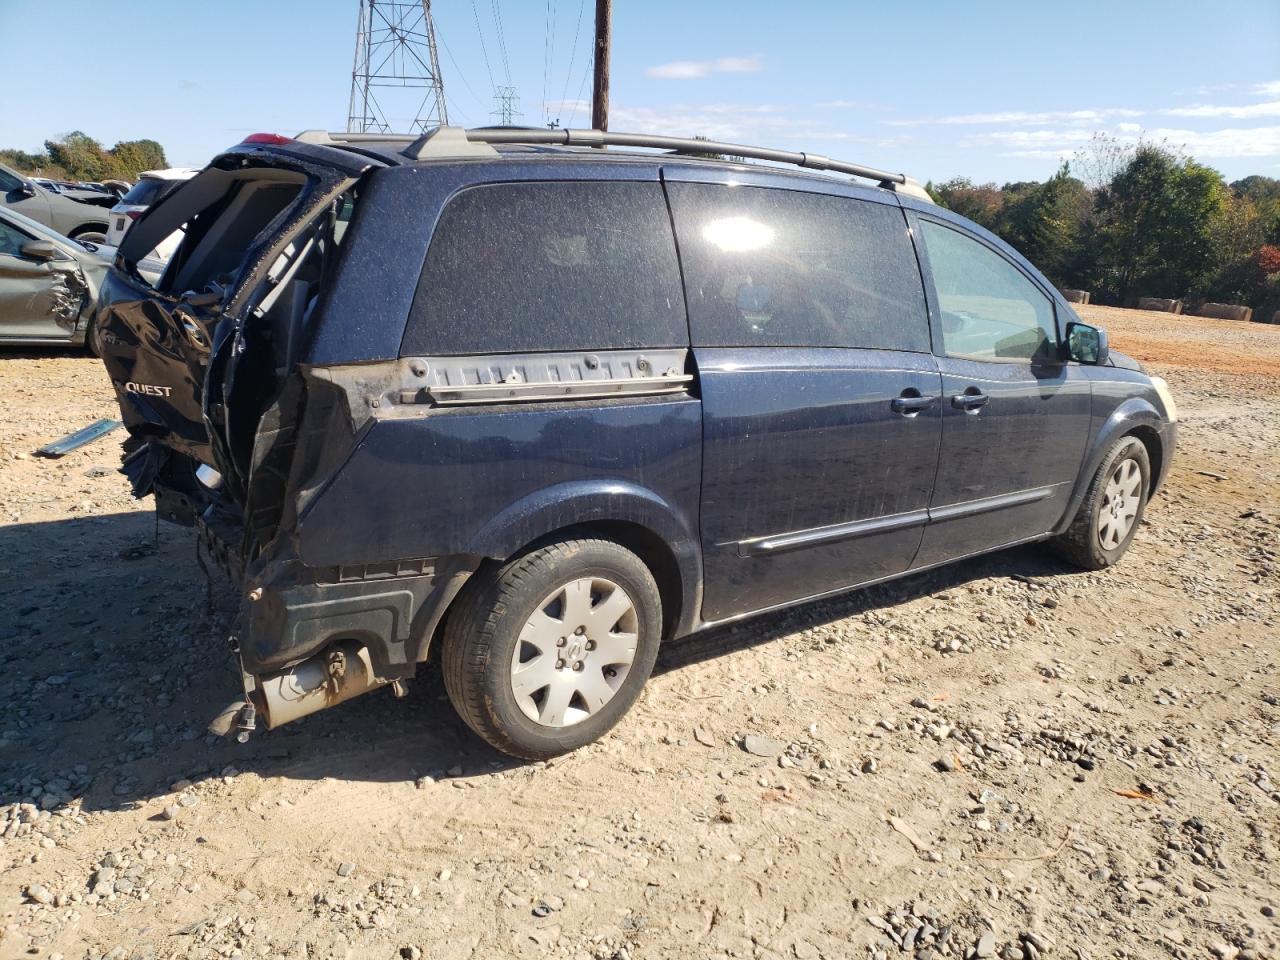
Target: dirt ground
{"x":1005,"y":757}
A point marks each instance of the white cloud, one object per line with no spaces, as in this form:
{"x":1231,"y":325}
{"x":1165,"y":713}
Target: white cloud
{"x":1235,"y":142}
{"x":1012,"y":117}
{"x":695,"y":69}
{"x":1269,"y":108}
{"x":1201,"y":144}
{"x":1271,"y":89}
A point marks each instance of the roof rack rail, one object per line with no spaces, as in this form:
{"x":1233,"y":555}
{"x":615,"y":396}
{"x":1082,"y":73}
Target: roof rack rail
{"x":447,"y":142}
{"x":324,"y":137}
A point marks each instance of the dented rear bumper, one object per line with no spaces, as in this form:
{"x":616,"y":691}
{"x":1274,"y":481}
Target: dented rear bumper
{"x":290,"y":612}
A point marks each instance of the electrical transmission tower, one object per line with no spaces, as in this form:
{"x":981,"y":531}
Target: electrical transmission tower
{"x":396,"y":53}
{"x":506,"y":112}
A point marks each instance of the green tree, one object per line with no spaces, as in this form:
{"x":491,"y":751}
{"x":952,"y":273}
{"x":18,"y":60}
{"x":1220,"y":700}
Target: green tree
{"x":1265,"y":194}
{"x":81,"y":156}
{"x":1154,"y":224}
{"x":129,"y":158}
{"x":1236,"y":272}
{"x":981,"y":204}
{"x":1045,"y":221}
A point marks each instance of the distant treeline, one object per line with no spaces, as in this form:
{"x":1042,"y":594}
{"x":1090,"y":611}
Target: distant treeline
{"x":77,"y":156}
{"x":1127,"y":221}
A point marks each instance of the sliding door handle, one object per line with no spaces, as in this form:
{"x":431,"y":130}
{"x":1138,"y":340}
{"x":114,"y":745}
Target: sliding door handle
{"x":910,"y":406}
{"x":971,"y":401}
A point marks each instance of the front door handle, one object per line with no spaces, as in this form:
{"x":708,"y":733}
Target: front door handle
{"x":971,"y":401}
{"x":911,"y":403}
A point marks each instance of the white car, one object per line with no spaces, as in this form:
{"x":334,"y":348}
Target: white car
{"x":151,"y":186}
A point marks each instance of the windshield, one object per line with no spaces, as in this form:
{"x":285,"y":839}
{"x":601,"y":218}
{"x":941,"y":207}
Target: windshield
{"x":148,"y":190}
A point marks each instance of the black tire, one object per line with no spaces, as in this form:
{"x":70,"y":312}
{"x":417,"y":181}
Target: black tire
{"x":92,"y":235}
{"x":1082,"y":543}
{"x":484,"y":629}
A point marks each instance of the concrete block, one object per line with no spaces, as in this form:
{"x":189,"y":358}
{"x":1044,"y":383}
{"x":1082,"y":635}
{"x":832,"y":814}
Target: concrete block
{"x":1076,"y":296}
{"x":1225,"y":311}
{"x":1160,"y":303}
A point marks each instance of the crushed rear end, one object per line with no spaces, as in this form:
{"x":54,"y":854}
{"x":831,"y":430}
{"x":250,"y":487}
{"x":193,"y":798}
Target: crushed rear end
{"x":227,"y":428}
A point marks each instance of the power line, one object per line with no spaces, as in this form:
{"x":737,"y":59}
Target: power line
{"x":548,"y":54}
{"x":483,"y":48}
{"x":582,"y":86}
{"x":502,"y":39}
{"x":461,"y":76}
{"x":573,"y":53}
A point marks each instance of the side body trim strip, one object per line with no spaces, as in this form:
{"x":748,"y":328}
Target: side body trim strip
{"x":765,"y":546}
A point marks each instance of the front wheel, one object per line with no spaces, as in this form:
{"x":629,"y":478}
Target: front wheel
{"x":550,"y":651}
{"x":91,"y":342}
{"x":1111,"y":510}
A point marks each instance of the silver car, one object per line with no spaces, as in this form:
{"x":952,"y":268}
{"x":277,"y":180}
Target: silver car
{"x":79,"y":214}
{"x":48,"y":283}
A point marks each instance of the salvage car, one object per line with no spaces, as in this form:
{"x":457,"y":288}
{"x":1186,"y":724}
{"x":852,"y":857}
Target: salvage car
{"x":80,"y":215}
{"x":48,"y":284}
{"x":533,"y":408}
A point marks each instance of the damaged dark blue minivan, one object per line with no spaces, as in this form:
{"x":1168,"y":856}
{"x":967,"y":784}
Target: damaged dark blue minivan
{"x":533,"y":407}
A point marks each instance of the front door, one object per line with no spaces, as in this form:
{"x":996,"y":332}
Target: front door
{"x":1015,"y":417}
{"x":38,"y":298}
{"x":821,"y":412}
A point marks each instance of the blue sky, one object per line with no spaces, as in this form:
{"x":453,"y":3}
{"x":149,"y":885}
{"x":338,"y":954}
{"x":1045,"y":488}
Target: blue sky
{"x":989,"y":90}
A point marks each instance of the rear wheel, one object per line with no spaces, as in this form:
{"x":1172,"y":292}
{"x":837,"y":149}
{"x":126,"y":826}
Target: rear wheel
{"x":547,"y":653}
{"x":92,"y":235}
{"x":1111,"y":510}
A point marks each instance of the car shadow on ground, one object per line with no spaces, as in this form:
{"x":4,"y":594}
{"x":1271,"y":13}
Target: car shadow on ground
{"x":117,"y":660}
{"x":1026,"y":563}
{"x":54,"y":351}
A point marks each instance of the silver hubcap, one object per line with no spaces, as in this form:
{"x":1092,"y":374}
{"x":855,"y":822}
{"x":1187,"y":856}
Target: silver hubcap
{"x":574,"y":652}
{"x":1120,"y":504}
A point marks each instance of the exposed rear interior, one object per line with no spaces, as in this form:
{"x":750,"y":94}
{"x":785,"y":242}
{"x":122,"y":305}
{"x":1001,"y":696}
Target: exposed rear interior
{"x":233,"y":220}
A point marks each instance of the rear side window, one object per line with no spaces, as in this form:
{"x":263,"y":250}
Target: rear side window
{"x":781,"y":268}
{"x":538,"y":267}
{"x":147,"y":191}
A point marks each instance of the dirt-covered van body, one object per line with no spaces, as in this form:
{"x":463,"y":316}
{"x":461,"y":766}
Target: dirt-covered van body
{"x":399,"y":397}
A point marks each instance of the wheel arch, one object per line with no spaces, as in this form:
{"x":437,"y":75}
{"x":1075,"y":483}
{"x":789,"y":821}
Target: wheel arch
{"x":90,"y":226}
{"x":1135,"y":417}
{"x":630,"y":516}
{"x":1150,"y":439}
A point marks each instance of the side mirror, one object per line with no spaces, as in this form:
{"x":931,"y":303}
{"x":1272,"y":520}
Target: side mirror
{"x":39,"y":250}
{"x":1086,"y":344}
{"x":27,"y":189}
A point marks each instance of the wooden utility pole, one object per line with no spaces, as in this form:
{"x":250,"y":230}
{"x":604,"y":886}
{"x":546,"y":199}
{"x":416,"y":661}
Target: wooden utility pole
{"x":600,"y":82}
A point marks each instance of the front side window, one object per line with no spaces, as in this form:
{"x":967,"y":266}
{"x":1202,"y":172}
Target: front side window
{"x":11,"y":240}
{"x":989,"y":309}
{"x":543,"y":267}
{"x":784,"y":268}
{"x":8,"y":182}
